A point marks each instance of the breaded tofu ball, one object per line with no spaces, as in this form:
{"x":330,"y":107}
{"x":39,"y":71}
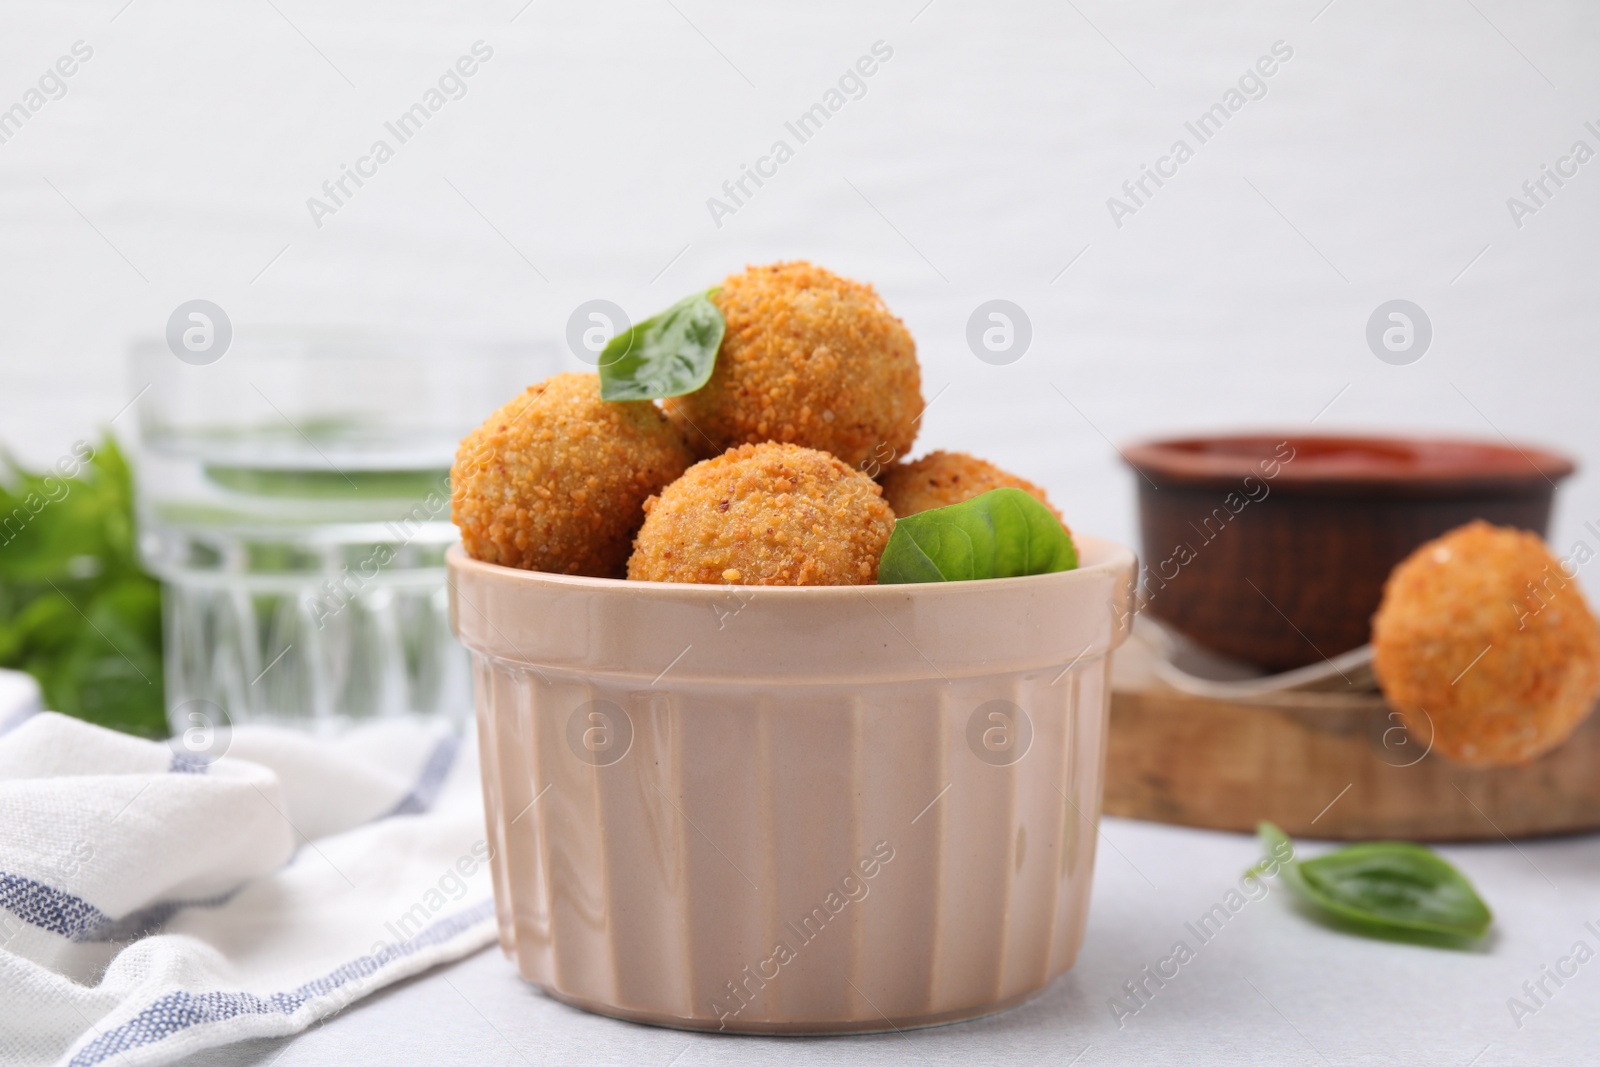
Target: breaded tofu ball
{"x":767,"y":514}
{"x":556,"y":480}
{"x":1485,"y":643}
{"x":940,"y":479}
{"x":809,"y":358}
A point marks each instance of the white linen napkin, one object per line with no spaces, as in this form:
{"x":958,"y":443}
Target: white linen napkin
{"x":154,"y":902}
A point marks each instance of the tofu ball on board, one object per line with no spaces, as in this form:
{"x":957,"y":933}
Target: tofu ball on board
{"x":940,"y":479}
{"x":767,"y":514}
{"x":556,"y":480}
{"x":808,"y":358}
{"x":1485,"y":643}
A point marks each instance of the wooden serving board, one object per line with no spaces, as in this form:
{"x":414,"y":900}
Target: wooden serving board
{"x":1330,"y":765}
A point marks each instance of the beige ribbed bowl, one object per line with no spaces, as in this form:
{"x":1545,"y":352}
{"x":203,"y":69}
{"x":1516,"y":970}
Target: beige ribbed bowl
{"x":792,"y":810}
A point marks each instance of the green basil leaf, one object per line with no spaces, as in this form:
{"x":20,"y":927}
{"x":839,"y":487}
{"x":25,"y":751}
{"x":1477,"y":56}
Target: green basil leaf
{"x":1004,"y":533}
{"x":1387,"y":889}
{"x":665,"y":355}
{"x":1400,"y":884}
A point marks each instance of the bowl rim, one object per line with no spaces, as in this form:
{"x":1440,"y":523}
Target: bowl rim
{"x":1440,"y":462}
{"x":1109,"y":558}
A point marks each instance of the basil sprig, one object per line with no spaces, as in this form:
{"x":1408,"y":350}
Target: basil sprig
{"x":77,"y":611}
{"x":1004,"y":533}
{"x":668,"y":354}
{"x":1387,"y":889}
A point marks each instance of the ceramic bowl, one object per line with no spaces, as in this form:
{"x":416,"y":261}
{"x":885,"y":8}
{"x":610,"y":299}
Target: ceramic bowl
{"x":792,"y":810}
{"x":1273,"y":548}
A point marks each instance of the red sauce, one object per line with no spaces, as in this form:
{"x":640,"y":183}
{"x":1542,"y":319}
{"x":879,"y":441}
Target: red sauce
{"x":1306,"y":461}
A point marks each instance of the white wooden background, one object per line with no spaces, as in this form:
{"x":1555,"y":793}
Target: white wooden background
{"x":977,"y":165}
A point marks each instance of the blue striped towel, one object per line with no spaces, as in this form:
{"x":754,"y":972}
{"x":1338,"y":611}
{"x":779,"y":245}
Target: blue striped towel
{"x":155,"y":901}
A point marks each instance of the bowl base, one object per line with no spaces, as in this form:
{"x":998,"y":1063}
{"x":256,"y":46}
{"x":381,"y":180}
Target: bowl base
{"x":877,"y":1024}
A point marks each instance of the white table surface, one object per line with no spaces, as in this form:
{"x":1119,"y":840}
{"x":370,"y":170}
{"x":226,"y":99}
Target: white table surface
{"x":1271,"y":987}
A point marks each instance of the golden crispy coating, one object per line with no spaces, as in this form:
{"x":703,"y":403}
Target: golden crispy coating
{"x":809,"y":358}
{"x":556,"y":480}
{"x":1498,"y":592}
{"x":940,"y":479}
{"x":767,"y":514}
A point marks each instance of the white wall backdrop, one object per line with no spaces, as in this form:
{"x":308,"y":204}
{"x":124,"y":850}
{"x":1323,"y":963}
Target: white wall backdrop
{"x":977,"y":164}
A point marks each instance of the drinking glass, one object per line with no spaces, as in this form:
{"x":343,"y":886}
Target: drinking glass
{"x":293,"y":497}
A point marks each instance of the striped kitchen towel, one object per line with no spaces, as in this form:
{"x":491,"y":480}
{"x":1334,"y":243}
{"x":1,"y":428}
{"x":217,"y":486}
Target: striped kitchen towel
{"x":157,"y":899}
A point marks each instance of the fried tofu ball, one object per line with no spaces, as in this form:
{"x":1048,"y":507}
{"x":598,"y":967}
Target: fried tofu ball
{"x":1485,"y":643}
{"x":809,"y":358}
{"x":767,"y":514}
{"x":556,"y":480}
{"x":940,"y":479}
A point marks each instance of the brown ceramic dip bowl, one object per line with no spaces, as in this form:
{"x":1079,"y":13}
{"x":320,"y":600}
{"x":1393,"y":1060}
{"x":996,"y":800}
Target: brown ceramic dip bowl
{"x":1273,"y":548}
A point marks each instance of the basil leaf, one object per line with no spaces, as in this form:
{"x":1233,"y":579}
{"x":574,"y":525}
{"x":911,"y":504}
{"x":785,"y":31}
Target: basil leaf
{"x":1004,"y":533}
{"x":665,"y":355}
{"x":1387,"y":889}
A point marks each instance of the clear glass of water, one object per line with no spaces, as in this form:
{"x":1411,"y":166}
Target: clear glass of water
{"x":293,"y":497}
